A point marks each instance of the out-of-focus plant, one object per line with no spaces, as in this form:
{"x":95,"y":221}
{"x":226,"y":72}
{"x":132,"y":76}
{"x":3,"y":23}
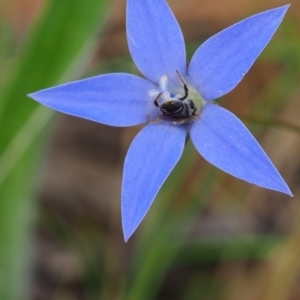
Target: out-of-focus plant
{"x":57,"y":44}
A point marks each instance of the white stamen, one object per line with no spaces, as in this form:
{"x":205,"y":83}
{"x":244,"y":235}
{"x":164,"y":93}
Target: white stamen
{"x":165,"y":96}
{"x":163,"y":83}
{"x":153,"y":93}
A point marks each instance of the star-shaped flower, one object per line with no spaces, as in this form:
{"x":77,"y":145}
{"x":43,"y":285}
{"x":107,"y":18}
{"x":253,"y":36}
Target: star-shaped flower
{"x":175,"y":100}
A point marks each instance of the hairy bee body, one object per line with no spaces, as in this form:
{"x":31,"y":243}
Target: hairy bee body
{"x":177,"y":110}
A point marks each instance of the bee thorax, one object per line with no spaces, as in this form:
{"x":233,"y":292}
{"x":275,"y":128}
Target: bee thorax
{"x":174,"y":107}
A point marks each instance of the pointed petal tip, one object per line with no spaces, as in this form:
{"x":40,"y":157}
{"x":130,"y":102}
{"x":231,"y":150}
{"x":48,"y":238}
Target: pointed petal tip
{"x":127,"y":235}
{"x":130,"y":226}
{"x":281,"y":186}
{"x":31,"y":95}
{"x":284,"y":8}
{"x":128,"y":229}
{"x":36,"y":97}
{"x":287,"y":191}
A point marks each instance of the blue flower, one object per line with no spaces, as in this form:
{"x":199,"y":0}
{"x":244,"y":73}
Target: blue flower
{"x":173,"y":100}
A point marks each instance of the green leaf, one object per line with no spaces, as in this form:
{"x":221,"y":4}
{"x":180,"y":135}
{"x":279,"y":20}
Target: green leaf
{"x":58,"y":43}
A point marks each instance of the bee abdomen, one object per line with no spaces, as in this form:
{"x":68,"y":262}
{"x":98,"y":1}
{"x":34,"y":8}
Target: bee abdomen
{"x":174,"y":108}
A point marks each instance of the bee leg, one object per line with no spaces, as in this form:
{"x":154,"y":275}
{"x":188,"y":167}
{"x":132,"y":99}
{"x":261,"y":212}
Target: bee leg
{"x":154,"y":121}
{"x":156,"y":100}
{"x":186,"y":90}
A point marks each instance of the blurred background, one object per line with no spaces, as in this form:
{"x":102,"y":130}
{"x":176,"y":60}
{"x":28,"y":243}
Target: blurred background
{"x":207,"y":236}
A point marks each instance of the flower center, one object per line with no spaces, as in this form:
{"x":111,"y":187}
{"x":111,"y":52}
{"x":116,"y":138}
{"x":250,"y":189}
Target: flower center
{"x":180,"y":107}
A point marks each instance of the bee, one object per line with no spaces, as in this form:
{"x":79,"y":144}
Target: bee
{"x":178,"y":110}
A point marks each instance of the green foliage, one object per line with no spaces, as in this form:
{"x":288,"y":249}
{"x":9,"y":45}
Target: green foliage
{"x":58,"y":42}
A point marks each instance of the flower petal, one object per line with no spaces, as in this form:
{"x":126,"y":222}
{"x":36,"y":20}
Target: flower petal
{"x":113,"y":99}
{"x":151,"y":157}
{"x":224,"y":141}
{"x":222,"y":61}
{"x":155,"y":39}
